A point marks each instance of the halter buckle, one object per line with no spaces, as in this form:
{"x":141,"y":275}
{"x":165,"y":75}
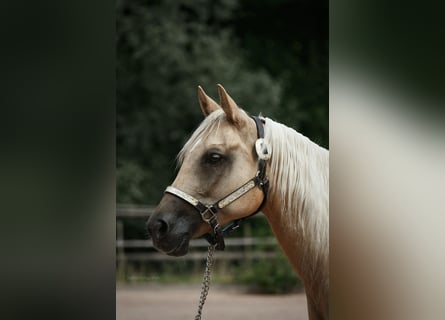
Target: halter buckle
{"x":209,"y":215}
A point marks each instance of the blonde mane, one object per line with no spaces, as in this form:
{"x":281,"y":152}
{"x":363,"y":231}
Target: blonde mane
{"x":299,"y":177}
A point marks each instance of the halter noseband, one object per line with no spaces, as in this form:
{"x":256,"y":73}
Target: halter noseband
{"x":208,"y":212}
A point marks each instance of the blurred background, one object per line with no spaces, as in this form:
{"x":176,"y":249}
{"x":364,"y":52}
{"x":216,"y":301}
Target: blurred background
{"x":387,"y":98}
{"x":271,"y":56}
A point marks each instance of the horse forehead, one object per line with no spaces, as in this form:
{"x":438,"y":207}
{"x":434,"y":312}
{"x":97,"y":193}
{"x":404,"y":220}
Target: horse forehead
{"x":224,"y":138}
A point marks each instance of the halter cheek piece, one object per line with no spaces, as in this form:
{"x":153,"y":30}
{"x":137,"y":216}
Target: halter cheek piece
{"x":209,"y":212}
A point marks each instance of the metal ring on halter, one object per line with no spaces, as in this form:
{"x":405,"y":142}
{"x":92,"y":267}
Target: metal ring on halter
{"x":208,"y":215}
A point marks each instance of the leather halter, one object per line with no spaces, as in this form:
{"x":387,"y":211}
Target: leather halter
{"x":209,"y":212}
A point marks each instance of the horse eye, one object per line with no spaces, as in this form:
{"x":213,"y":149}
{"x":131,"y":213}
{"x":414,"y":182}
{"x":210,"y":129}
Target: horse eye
{"x":214,"y":158}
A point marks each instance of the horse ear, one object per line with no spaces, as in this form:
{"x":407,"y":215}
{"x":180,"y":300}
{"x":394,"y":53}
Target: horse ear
{"x":233,"y":112}
{"x":208,"y":105}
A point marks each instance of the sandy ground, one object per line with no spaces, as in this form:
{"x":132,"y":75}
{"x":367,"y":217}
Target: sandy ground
{"x":145,"y":302}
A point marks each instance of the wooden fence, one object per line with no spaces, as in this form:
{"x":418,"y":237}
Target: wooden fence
{"x":237,"y":248}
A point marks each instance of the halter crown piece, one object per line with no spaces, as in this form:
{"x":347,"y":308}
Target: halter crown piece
{"x":209,"y":212}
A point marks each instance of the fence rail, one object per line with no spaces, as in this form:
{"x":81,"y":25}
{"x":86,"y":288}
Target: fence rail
{"x":237,"y":248}
{"x":247,"y":241}
{"x":133,"y":211}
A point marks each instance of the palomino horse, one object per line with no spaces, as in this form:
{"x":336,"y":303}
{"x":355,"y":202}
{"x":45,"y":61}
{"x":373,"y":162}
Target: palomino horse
{"x":224,"y":174}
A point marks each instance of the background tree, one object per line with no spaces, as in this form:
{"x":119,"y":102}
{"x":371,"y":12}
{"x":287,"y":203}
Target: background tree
{"x":271,"y":56}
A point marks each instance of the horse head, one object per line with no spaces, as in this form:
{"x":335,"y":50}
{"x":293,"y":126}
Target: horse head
{"x":219,"y":158}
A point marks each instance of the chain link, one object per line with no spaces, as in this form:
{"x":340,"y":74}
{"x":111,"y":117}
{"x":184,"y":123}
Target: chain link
{"x":205,"y":281}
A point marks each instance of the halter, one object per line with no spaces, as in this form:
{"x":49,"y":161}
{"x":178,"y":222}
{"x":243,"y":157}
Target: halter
{"x":209,"y":212}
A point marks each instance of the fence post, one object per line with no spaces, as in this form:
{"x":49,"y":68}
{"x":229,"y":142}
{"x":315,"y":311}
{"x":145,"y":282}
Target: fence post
{"x":247,"y":248}
{"x":121,"y":264}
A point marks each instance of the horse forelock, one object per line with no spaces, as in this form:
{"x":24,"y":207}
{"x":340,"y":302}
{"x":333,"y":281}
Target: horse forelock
{"x":299,"y":178}
{"x":210,"y":124}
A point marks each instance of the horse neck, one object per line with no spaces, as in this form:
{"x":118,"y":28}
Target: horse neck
{"x":297,"y":205}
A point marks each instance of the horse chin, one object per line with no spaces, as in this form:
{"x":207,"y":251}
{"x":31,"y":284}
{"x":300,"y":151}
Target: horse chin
{"x":181,"y":249}
{"x":176,"y":247}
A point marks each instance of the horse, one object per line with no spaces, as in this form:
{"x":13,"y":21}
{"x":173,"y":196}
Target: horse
{"x":234,"y":165}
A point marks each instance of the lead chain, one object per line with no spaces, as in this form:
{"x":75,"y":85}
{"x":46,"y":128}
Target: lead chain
{"x":205,"y":281}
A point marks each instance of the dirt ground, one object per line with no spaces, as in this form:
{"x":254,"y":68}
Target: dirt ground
{"x":145,"y":302}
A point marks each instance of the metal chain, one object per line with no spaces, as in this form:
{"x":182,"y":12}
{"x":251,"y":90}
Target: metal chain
{"x":205,"y":281}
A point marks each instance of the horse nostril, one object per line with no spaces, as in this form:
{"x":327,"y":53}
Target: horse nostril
{"x":160,"y":228}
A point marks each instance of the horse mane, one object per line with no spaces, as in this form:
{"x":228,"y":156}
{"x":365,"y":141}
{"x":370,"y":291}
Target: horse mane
{"x":299,"y":177}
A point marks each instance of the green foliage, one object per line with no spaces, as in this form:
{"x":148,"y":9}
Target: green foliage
{"x":271,"y":56}
{"x":289,"y":39}
{"x":273,"y":275}
{"x":164,"y":50}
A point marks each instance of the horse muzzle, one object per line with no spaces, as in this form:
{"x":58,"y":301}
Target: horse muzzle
{"x":172,"y":225}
